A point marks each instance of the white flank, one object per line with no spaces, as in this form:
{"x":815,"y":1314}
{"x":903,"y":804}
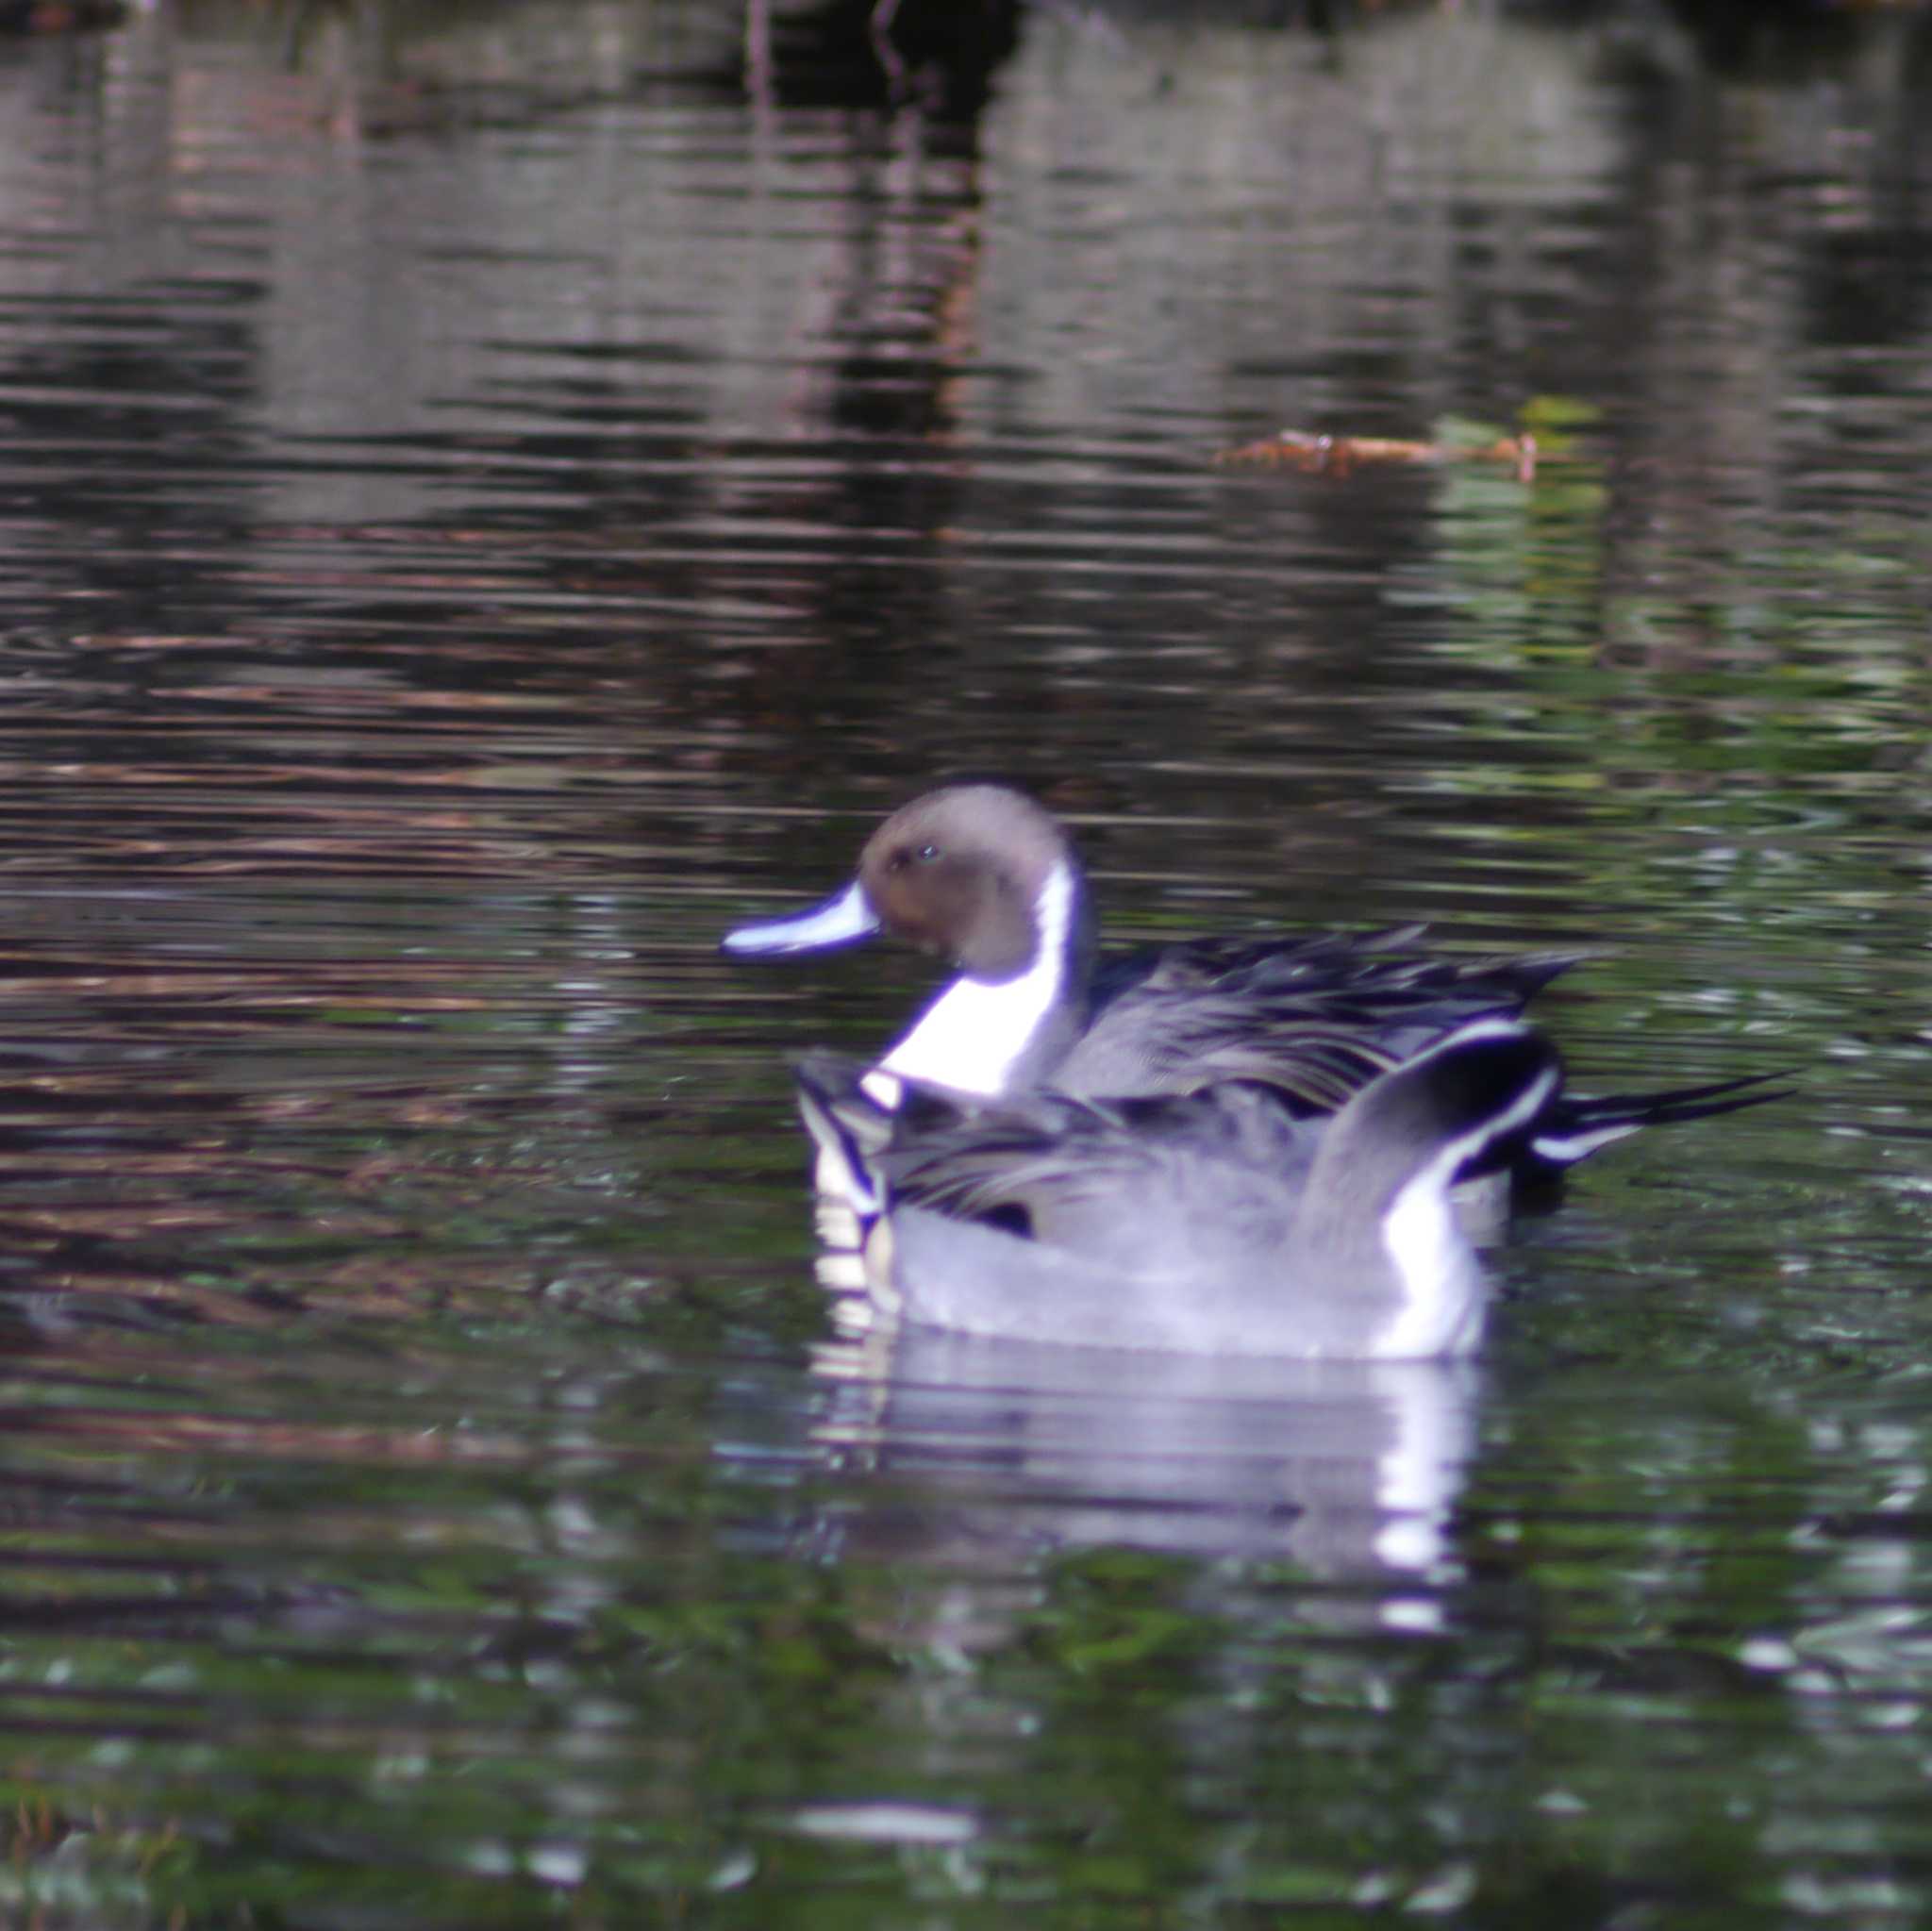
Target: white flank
{"x":1442,"y":1305}
{"x":973,"y":1033}
{"x":1442,"y":1312}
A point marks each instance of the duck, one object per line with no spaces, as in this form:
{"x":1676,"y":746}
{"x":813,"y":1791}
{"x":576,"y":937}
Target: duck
{"x":1216,"y":1222}
{"x":1237,"y":1144}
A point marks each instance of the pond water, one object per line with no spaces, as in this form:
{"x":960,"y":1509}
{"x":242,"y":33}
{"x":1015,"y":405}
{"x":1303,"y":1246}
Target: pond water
{"x":492,"y":498}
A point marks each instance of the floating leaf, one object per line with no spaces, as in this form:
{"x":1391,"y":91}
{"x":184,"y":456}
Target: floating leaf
{"x":1322,"y":455}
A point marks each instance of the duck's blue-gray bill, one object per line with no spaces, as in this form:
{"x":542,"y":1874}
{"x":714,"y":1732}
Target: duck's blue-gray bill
{"x":842,"y":920}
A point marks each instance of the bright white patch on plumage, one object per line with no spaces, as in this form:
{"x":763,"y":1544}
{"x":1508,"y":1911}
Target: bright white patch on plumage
{"x":1442,"y":1307}
{"x":887,"y":1091}
{"x":837,"y":1174}
{"x":1566,"y":1149}
{"x":973,"y":1034}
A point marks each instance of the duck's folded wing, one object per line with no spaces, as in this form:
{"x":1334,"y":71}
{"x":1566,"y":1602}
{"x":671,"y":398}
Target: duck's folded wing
{"x":1316,"y":1020}
{"x":1046,"y":1166}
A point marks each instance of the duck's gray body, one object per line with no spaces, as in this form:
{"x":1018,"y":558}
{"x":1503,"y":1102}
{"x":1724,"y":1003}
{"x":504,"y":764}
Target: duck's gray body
{"x":1228,"y":1147}
{"x":1217,"y":1223}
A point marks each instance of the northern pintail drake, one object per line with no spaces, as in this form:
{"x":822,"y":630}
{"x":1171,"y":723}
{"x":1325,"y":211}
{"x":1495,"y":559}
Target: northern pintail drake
{"x":1265,"y":1120}
{"x":1215,"y":1222}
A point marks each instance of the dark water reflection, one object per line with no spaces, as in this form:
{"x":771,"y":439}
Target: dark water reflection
{"x":490,"y":501}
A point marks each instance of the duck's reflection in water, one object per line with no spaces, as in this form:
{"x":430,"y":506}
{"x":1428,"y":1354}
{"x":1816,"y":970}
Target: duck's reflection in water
{"x":978,"y":1455}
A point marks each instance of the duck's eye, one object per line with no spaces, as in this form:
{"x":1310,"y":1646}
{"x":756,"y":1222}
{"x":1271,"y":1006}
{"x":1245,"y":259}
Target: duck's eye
{"x":927,"y":854}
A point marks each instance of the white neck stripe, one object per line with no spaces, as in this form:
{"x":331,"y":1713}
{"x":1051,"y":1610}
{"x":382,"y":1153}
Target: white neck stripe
{"x":1442,"y":1283}
{"x":972,"y":1036}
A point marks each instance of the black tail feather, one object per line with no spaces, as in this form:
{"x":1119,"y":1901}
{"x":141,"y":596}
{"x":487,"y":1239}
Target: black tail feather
{"x":1575,"y":1126}
{"x":1671,"y":1102}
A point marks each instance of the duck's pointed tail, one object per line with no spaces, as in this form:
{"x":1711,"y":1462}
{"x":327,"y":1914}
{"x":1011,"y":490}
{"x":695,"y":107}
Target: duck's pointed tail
{"x":1463,"y":1106}
{"x":1574,"y":1127}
